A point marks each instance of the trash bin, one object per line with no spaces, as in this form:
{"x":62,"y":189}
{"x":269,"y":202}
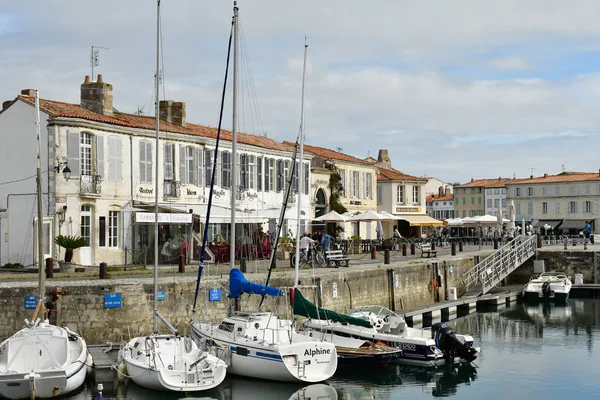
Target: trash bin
{"x":451,"y":293}
{"x":579,"y":279}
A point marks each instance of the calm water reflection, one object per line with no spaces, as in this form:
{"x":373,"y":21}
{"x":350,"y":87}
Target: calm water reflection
{"x":534,"y":352}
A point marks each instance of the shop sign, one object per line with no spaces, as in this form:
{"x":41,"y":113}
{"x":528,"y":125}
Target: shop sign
{"x":164,"y":218}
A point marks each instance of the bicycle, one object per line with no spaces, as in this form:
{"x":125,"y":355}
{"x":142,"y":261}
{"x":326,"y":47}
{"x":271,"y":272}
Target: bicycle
{"x":316,"y":259}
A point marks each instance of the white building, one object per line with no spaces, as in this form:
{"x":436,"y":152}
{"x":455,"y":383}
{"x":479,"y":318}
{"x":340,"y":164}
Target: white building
{"x":434,"y":185}
{"x":441,"y":204}
{"x":564,"y":201}
{"x":109,"y":198}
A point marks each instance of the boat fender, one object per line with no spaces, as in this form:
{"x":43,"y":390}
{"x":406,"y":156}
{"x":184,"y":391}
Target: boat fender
{"x":435,"y":283}
{"x":187,"y":342}
{"x":122,"y":368}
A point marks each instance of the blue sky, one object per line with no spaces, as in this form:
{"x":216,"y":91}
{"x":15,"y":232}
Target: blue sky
{"x":453,"y":89}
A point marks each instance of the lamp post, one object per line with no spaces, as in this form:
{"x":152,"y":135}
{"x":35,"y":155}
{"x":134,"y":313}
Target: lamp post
{"x":63,"y":167}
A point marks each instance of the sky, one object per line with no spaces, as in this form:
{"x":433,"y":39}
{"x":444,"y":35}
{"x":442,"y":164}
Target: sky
{"x":452,"y":89}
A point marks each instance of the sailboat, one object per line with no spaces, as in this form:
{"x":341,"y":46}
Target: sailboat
{"x":260,"y":344}
{"x":168,"y":362}
{"x":42,"y":360}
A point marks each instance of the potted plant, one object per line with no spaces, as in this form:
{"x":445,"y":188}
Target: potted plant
{"x":356,"y":244}
{"x":70,"y":243}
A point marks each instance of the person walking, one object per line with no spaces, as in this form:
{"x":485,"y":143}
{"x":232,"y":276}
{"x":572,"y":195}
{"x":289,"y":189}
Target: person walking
{"x":306,"y":243}
{"x":326,"y":241}
{"x":51,"y":308}
{"x":587,"y":231}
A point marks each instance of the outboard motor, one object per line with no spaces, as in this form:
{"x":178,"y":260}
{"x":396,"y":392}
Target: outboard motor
{"x":546,"y":290}
{"x":448,"y":343}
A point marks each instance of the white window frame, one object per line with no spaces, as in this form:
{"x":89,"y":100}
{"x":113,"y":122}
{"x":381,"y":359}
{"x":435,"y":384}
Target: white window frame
{"x":113,"y":228}
{"x":416,"y":194}
{"x":168,"y":159}
{"x":85,"y":153}
{"x":400,"y":194}
{"x":145,"y":169}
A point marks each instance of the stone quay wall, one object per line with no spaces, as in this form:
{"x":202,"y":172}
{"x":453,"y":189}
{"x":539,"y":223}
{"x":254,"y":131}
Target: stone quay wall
{"x":82,"y":308}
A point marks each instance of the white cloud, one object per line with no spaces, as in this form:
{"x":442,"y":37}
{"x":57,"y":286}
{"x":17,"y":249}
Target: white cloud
{"x":511,"y":63}
{"x":377,"y":76}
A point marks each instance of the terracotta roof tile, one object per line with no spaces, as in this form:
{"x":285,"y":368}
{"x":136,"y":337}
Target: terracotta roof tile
{"x":488,"y":183}
{"x":328,"y":153}
{"x":68,"y":110}
{"x":395,"y":175}
{"x":435,"y":197}
{"x":562,"y":177}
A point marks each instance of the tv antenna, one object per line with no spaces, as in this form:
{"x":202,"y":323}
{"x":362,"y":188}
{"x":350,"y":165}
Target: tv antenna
{"x":339,"y":149}
{"x":532,"y":169}
{"x":95,"y":57}
{"x":140,"y":111}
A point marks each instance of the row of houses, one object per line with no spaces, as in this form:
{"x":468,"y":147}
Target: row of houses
{"x":100,"y":181}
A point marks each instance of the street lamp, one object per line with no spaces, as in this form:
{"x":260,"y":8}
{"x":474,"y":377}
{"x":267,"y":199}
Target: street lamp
{"x":64,"y":168}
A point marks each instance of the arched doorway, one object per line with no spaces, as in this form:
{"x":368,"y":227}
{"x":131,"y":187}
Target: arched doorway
{"x":320,"y":207}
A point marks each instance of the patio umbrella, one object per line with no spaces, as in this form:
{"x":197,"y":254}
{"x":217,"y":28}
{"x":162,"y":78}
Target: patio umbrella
{"x":332,"y":216}
{"x":389,"y":216}
{"x":368,"y":216}
{"x":379,"y":230}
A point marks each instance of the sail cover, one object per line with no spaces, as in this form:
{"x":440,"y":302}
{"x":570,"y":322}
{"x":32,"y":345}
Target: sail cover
{"x":307,"y":309}
{"x":238,"y":285}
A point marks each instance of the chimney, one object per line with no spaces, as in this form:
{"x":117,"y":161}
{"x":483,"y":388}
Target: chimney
{"x":6,"y":104}
{"x":384,"y":159}
{"x":97,"y":96}
{"x":447,"y":193}
{"x":545,"y":175}
{"x":441,"y":191}
{"x":28,"y":92}
{"x":472,"y":180}
{"x":530,"y":176}
{"x":173,"y":112}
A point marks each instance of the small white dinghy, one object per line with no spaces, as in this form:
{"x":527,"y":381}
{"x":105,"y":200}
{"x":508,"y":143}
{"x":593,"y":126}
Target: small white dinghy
{"x":42,"y":361}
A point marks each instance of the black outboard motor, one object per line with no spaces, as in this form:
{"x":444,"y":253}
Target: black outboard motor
{"x":448,"y":343}
{"x":546,"y":292}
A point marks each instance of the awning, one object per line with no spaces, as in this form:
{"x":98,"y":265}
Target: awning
{"x":421,"y":220}
{"x":573,"y":224}
{"x":554,"y":223}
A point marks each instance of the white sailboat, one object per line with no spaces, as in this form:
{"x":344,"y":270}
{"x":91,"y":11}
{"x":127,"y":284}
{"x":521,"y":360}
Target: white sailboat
{"x":260,"y":344}
{"x":42,"y":360}
{"x":168,"y":362}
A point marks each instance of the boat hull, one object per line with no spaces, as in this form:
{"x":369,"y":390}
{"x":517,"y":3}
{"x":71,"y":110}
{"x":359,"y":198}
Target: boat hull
{"x":309,"y":361}
{"x":188,"y":369}
{"x":536,"y":297}
{"x":30,"y":372}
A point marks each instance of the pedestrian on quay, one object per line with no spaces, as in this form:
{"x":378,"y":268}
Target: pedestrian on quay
{"x":51,"y":307}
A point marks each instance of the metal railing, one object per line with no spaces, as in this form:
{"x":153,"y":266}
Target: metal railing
{"x":502,"y":262}
{"x":90,"y":184}
{"x":172,"y":189}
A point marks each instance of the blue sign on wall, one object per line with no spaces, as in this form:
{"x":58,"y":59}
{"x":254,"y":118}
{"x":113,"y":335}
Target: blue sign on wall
{"x":214,"y":295}
{"x":112,"y":300}
{"x":31,"y":302}
{"x":161,"y":295}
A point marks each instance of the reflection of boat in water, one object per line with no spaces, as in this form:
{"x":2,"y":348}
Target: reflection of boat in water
{"x":548,"y":286}
{"x":548,"y":312}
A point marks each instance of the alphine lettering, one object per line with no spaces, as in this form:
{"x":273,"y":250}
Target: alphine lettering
{"x":146,"y":191}
{"x":316,"y":352}
{"x":191,"y":192}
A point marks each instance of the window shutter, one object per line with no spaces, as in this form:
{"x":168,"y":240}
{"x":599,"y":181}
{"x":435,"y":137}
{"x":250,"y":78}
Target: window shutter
{"x":182,"y":175}
{"x":149,"y":162}
{"x":200,"y":163}
{"x":306,"y":178}
{"x":114,"y":158}
{"x":168,"y":161}
{"x":207,"y":166}
{"x":142,"y":162}
{"x":259,"y":174}
{"x":100,"y":155}
{"x":73,"y":152}
{"x":267,"y":174}
{"x":279,"y":174}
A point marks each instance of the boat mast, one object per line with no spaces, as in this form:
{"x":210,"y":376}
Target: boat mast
{"x":300,"y":169}
{"x":234,"y":135}
{"x":157,"y":115}
{"x":40,"y":209}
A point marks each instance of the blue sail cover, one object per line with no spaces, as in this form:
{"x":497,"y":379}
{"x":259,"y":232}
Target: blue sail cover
{"x":238,"y":285}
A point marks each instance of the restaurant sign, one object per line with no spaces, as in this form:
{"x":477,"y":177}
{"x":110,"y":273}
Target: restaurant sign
{"x":165,"y":218}
{"x":408,"y":209}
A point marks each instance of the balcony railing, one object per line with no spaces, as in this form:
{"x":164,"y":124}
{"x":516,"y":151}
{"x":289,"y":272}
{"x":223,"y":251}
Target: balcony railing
{"x":172,"y":189}
{"x":90,"y":184}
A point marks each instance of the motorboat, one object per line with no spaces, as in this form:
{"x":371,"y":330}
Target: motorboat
{"x":420,"y":347}
{"x":548,"y":286}
{"x":42,"y":360}
{"x":263,"y":345}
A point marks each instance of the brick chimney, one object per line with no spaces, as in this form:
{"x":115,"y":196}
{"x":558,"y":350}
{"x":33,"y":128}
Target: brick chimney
{"x":384,"y":159}
{"x":6,"y":104}
{"x":447,"y":192}
{"x":28,"y":92}
{"x":173,"y":112}
{"x":97,"y":96}
{"x":441,"y":191}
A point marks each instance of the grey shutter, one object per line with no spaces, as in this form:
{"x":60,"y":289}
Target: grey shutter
{"x":119,"y":159}
{"x":100,"y":155}
{"x":207,"y":166}
{"x":142,"y":162}
{"x":259,"y":174}
{"x":306,"y":178}
{"x":278,"y":174}
{"x":73,"y":152}
{"x":200,"y":169}
{"x":243,"y":165}
{"x":149,"y":162}
{"x":168,"y":161}
{"x":182,"y":174}
{"x":267,"y":174}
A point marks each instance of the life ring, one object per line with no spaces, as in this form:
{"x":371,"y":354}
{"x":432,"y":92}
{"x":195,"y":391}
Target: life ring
{"x":435,"y":284}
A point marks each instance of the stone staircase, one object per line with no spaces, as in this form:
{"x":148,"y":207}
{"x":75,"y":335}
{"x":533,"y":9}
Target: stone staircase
{"x":489,"y":272}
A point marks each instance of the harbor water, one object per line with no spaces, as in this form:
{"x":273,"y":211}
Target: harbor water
{"x":528,"y":352}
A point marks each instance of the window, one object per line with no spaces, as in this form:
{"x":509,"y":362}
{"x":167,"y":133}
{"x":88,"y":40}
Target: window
{"x":186,"y":165}
{"x":400,"y":194}
{"x":286,"y":172}
{"x":496,"y":191}
{"x":530,"y":191}
{"x":225,"y":169}
{"x":113,"y":229}
{"x":518,"y":192}
{"x":169,"y":156}
{"x":557,"y":190}
{"x":208,"y":164}
{"x":496,"y":203}
{"x":503,"y":202}
{"x":306,"y":177}
{"x":557,"y":208}
{"x":479,"y":200}
{"x":489,"y":191}
{"x":102,"y":231}
{"x":200,"y":166}
{"x":369,"y":186}
{"x":379,"y":194}
{"x":518,"y":208}
{"x":587,"y":207}
{"x":145,"y":161}
{"x":572,"y":207}
{"x":342,"y":173}
{"x":416,"y":194}
{"x":472,"y":200}
{"x":530,"y":209}
{"x":544,"y":191}
{"x":259,"y":173}
{"x":114,"y":158}
{"x":464,"y":213}
{"x":587,"y":189}
{"x":244,"y":172}
{"x":85,"y":153}
{"x":355,"y":188}
{"x":571,"y":190}
{"x":270,"y":177}
{"x":464,"y":201}
{"x":489,"y":203}
{"x":86,"y":224}
{"x":251,"y":172}
{"x":279,"y":172}
{"x":503,"y":190}
{"x":544,"y":208}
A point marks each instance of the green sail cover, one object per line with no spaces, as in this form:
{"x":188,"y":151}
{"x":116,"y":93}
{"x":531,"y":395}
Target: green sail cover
{"x":307,"y":309}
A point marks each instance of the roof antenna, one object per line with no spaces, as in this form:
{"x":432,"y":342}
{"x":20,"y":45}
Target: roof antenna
{"x":140,"y":111}
{"x":339,"y":149}
{"x":95,"y":57}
